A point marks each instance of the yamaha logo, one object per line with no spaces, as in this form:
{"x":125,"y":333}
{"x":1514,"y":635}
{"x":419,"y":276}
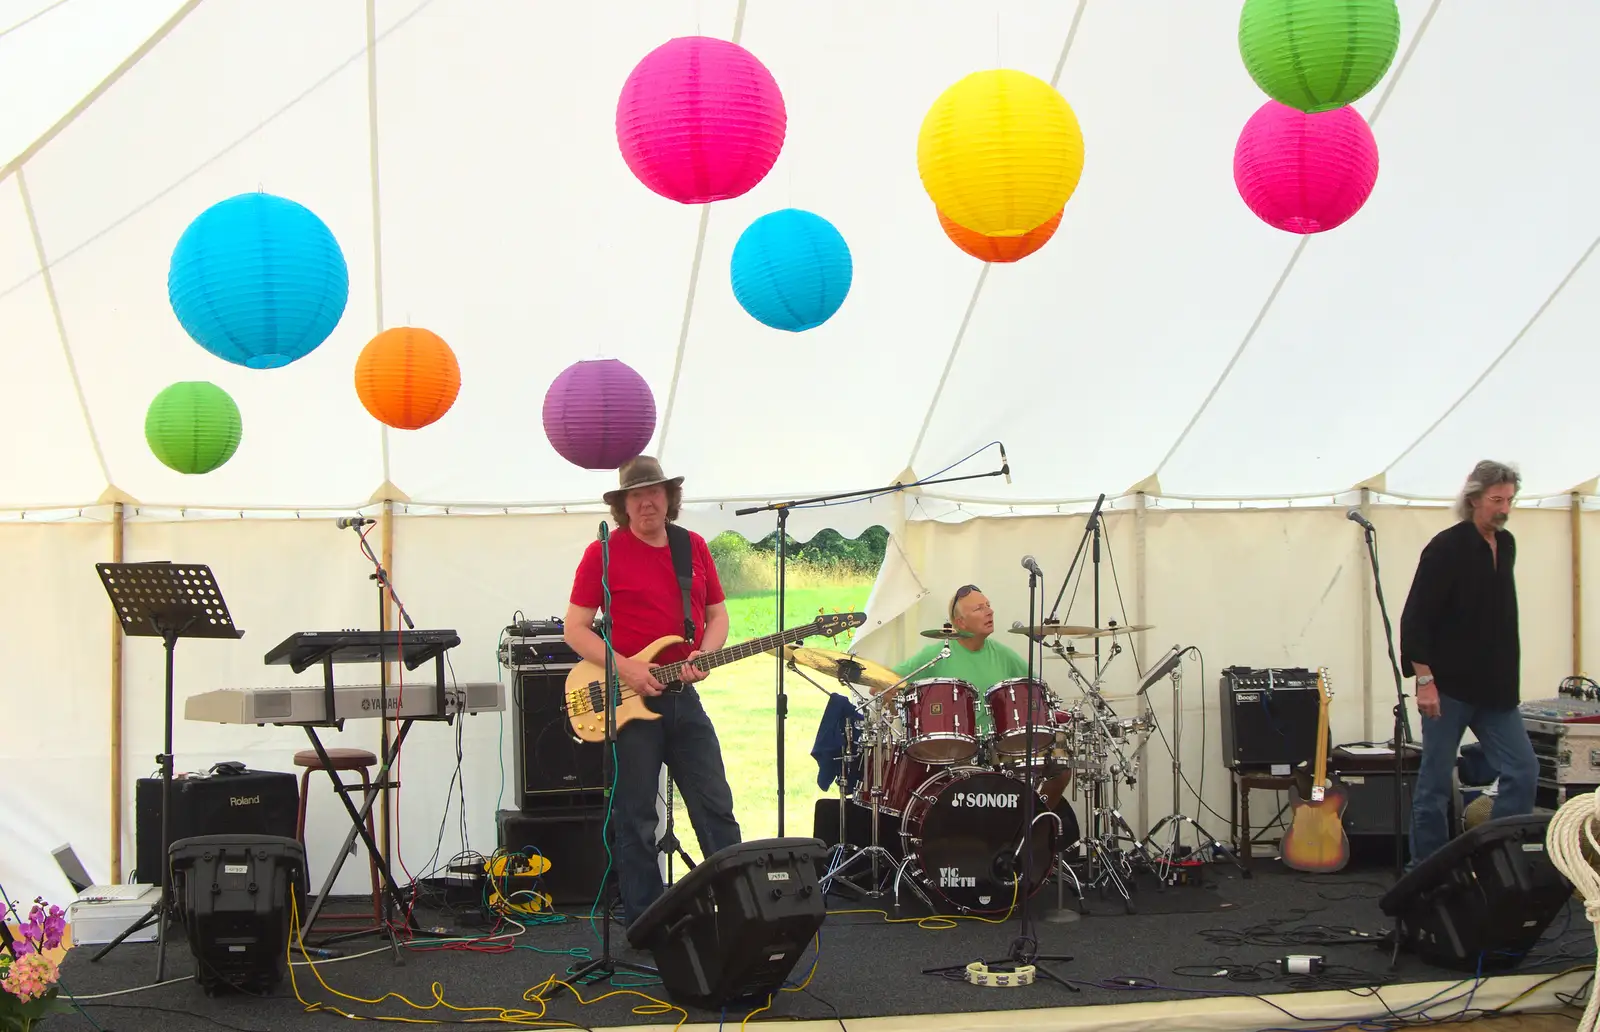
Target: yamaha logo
{"x":985,"y":799}
{"x":244,"y":800}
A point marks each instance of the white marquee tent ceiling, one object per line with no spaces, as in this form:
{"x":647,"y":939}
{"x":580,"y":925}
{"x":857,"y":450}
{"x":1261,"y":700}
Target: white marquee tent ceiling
{"x":1164,"y":331}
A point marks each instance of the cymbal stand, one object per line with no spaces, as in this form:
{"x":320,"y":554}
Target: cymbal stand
{"x":1166,"y":859}
{"x":1110,"y":862}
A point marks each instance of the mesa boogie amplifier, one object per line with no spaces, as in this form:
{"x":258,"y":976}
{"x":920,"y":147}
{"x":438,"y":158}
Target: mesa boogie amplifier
{"x":1269,"y":718}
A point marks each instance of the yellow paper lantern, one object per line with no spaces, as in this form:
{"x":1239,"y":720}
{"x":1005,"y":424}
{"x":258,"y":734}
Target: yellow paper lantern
{"x":1000,"y":152}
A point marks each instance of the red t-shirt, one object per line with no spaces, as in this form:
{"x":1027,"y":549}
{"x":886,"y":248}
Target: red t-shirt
{"x":646,"y":602}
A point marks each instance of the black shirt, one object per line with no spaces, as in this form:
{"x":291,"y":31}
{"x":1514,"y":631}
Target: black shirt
{"x":1460,"y":619}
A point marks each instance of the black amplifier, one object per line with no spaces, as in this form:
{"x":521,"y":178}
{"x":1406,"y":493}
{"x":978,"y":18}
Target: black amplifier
{"x":230,"y":800}
{"x":1269,"y":718}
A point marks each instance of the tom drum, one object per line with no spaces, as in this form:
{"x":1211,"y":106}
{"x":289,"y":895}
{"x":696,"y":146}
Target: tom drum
{"x":941,"y":719}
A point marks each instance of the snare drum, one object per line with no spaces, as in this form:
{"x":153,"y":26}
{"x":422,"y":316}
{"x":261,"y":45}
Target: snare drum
{"x":941,"y":717}
{"x":1009,"y":704}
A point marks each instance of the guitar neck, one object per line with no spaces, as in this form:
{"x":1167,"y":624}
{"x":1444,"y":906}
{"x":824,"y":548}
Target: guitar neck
{"x":1321,"y":765}
{"x":669,"y":672}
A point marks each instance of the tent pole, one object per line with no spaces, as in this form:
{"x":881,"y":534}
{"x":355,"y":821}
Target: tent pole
{"x":1577,"y":584}
{"x":116,"y":710}
{"x":1140,"y":584}
{"x":391,"y":619}
{"x":1366,"y":630}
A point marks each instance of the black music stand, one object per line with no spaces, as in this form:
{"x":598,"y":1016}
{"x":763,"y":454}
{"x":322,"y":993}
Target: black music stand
{"x":168,"y":601}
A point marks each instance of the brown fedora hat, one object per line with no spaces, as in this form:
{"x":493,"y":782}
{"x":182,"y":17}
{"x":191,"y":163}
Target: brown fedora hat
{"x":641,"y":471}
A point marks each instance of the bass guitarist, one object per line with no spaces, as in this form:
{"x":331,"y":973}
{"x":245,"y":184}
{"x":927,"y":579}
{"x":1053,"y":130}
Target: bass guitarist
{"x":648,"y":601}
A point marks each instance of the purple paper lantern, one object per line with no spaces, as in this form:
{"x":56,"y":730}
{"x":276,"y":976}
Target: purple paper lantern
{"x":599,"y":413}
{"x":1305,"y":173}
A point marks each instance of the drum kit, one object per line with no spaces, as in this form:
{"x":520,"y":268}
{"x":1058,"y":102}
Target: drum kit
{"x":915,"y":752}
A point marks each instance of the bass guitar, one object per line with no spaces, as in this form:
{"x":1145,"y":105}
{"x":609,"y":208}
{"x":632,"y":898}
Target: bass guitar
{"x":1315,"y":841}
{"x":585,"y":701}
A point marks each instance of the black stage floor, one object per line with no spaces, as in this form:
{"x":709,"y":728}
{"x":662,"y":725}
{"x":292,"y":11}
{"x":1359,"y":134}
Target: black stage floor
{"x":1174,"y":947}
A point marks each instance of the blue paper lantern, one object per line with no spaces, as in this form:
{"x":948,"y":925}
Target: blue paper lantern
{"x":258,"y":280}
{"x":791,"y":270}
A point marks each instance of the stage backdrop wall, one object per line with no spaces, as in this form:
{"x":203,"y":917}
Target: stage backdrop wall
{"x":1260,"y":588}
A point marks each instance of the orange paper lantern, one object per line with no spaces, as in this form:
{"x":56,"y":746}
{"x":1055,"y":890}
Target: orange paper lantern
{"x":407,"y":377}
{"x":1000,"y":249}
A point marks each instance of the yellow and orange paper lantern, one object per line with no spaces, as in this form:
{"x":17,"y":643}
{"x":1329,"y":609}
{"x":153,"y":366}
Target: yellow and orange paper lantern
{"x":407,"y":377}
{"x":1000,"y":249}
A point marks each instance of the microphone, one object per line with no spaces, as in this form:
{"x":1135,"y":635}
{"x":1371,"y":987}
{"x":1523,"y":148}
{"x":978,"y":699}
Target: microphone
{"x":605,"y":531}
{"x":1028,"y":563}
{"x":1005,"y":464}
{"x":1354,"y":515}
{"x":346,"y":522}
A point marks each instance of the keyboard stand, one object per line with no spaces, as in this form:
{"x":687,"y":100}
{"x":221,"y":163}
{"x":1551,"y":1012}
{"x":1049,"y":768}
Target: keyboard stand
{"x":337,"y":650}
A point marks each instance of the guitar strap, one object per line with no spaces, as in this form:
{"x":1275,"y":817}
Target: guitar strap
{"x":683,"y":564}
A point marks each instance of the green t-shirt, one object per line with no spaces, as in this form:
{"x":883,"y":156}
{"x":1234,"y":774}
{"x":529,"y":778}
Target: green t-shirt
{"x":989,"y":665}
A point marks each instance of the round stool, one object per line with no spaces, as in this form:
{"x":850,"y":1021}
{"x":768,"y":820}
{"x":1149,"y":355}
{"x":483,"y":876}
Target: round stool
{"x":362,"y":760}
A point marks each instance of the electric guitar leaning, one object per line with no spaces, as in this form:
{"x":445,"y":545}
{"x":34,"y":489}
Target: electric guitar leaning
{"x":1315,"y":841}
{"x":585,"y":702}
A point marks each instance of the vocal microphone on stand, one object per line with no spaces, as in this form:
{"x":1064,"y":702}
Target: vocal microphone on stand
{"x":346,"y":522}
{"x":1354,"y":515}
{"x":1005,"y":464}
{"x":1032,"y":565}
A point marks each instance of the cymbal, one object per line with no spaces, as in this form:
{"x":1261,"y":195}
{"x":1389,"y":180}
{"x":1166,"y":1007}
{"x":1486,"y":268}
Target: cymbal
{"x":842,"y":665}
{"x":947,"y":633}
{"x":1053,"y":630}
{"x":1115,"y":629}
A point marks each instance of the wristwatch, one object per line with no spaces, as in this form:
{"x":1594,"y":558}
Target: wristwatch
{"x":1424,"y":680}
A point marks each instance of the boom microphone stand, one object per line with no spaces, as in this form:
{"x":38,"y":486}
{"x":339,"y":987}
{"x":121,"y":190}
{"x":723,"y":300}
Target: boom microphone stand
{"x":1402,"y":724}
{"x":783,"y":509}
{"x":605,"y":966}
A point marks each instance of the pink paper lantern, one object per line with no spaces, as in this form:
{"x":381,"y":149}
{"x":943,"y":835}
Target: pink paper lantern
{"x":700,"y":120}
{"x":1305,"y":173}
{"x":599,"y":413}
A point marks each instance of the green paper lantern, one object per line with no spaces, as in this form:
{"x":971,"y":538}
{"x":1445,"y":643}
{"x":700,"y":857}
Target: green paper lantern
{"x":1318,"y":55}
{"x":193,"y":427}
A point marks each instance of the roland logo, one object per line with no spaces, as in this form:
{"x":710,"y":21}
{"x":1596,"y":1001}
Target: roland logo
{"x":986,"y":799}
{"x":244,"y":800}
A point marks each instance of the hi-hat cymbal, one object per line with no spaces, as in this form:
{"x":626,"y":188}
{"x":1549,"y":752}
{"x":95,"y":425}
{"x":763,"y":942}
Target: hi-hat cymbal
{"x":946,"y":633}
{"x":1115,"y":629}
{"x":842,"y":665}
{"x":1053,"y":630}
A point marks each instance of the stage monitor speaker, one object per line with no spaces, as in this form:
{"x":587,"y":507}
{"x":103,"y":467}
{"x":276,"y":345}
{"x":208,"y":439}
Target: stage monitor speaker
{"x":553,"y":767}
{"x":1269,"y":717}
{"x":232,"y":894}
{"x":1480,"y":903}
{"x":230,"y":800}
{"x":736,"y":925}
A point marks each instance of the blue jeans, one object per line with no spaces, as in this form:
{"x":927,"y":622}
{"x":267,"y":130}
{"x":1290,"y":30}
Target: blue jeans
{"x":686,"y":742}
{"x":1505,"y":743}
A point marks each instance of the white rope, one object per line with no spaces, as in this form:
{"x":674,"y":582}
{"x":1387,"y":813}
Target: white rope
{"x":1573,"y":825}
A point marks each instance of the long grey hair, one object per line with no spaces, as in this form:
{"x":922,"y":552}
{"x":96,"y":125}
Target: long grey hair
{"x":1485,"y":475}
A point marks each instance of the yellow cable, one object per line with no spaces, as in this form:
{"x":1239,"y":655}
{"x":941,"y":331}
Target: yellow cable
{"x":932,"y":923}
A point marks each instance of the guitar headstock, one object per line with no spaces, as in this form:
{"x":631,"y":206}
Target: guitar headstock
{"x":1325,"y":681}
{"x":831,"y":624}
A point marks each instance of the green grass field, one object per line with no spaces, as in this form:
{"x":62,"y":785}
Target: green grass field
{"x":741,"y":699}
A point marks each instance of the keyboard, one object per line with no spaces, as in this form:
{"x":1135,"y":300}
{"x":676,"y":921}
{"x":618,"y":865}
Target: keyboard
{"x":307,"y":704}
{"x":305,"y":648}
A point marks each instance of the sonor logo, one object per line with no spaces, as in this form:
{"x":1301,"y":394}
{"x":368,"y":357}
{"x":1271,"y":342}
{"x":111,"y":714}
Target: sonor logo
{"x":985,"y":799}
{"x":244,"y":800}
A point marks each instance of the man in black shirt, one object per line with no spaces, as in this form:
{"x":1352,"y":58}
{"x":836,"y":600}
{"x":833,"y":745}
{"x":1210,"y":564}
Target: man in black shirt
{"x":1458,"y":637}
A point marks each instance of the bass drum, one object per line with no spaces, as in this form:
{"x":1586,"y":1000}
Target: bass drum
{"x":961,"y":833}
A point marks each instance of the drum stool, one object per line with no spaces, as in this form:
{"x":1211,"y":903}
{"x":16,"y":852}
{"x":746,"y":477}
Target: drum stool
{"x":342,"y":759}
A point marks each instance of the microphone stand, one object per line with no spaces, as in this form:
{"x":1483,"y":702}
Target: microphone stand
{"x":783,"y":509}
{"x":605,"y":966}
{"x":1090,"y":529}
{"x":1402,"y":724}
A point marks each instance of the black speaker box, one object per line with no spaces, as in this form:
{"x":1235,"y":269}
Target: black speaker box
{"x":553,"y":767}
{"x":1483,"y":900}
{"x":253,"y":802}
{"x":570,"y":838}
{"x":1269,"y":717}
{"x":736,"y":925}
{"x":233,"y":894}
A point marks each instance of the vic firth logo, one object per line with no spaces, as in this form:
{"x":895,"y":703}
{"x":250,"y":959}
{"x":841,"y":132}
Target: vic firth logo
{"x":244,"y":800}
{"x":985,"y":799}
{"x":950,"y":878}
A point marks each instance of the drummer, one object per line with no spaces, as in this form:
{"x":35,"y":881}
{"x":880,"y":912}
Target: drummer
{"x":979,"y":660}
